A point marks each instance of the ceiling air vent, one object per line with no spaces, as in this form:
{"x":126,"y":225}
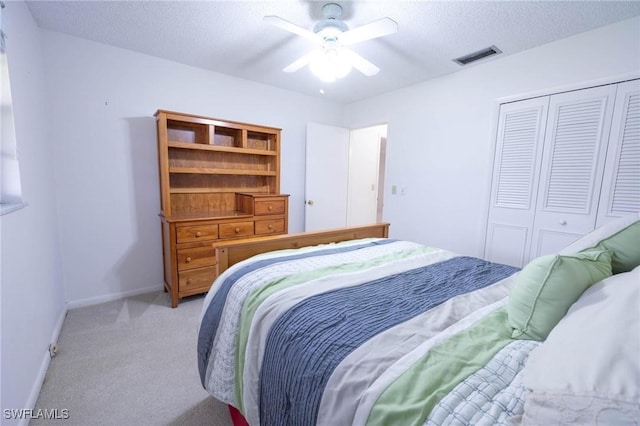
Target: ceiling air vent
{"x":476,"y":56}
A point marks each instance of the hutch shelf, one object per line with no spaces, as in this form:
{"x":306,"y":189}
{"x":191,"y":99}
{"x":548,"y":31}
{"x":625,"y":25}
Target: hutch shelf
{"x":219,"y":180}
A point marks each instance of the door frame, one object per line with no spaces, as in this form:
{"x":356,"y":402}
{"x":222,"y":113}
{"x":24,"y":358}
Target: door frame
{"x":379,"y":182}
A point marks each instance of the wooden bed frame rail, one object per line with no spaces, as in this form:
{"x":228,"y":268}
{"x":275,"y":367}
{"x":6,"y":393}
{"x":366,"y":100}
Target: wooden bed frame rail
{"x":233,"y":252}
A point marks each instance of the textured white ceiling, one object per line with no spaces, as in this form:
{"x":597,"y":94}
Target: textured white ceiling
{"x":230,"y":37}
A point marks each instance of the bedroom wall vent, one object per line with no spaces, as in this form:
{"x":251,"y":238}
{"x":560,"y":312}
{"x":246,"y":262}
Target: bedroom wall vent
{"x":476,"y":56}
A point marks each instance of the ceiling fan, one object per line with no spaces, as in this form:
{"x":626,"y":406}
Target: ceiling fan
{"x":332,"y":59}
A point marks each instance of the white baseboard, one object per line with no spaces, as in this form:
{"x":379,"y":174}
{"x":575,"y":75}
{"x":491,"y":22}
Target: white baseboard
{"x":46,"y":360}
{"x":44,"y":366}
{"x":113,"y":296}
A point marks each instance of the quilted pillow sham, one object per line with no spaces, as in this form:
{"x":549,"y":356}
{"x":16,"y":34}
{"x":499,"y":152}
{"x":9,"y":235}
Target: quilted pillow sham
{"x":546,"y":288}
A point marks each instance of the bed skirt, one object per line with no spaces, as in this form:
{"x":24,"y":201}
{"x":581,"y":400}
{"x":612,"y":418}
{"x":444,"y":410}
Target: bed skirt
{"x":236,"y":417}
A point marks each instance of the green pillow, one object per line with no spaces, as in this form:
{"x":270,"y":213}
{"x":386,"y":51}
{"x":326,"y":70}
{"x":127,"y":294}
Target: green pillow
{"x":625,"y":245}
{"x":546,"y":288}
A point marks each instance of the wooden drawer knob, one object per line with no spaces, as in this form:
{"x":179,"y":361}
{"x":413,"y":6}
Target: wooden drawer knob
{"x":270,"y":207}
{"x":237,"y":230}
{"x":270,"y":226}
{"x":188,"y":260}
{"x":188,"y":280}
{"x":198,"y":234}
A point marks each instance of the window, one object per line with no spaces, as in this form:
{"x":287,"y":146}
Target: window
{"x":11,"y":191}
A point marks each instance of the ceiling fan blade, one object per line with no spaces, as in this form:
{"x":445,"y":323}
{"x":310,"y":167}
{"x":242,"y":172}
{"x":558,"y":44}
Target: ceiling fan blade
{"x":303,"y":61}
{"x":292,"y":28}
{"x":375,"y":29}
{"x":361,"y":64}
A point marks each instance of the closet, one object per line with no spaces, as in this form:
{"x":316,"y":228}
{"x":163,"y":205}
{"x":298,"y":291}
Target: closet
{"x":564,"y":164}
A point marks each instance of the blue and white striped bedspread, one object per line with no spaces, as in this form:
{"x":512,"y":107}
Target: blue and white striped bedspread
{"x":300,"y":337}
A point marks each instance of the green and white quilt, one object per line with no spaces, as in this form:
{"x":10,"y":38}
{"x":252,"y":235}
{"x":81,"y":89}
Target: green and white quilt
{"x":365,"y":332}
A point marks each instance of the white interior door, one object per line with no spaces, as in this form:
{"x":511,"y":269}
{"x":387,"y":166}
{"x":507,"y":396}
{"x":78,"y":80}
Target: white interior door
{"x":621,"y":184}
{"x":326,"y":178}
{"x":519,"y":140}
{"x":572,"y":167}
{"x":364,"y":166}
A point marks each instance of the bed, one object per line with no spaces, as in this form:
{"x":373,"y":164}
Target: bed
{"x":376,"y":331}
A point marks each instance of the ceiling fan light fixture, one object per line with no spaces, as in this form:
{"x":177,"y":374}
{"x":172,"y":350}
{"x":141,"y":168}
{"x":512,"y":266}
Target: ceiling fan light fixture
{"x":330,"y":65}
{"x":333,"y":60}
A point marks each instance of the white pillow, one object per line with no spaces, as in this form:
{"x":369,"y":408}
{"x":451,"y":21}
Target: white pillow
{"x":588,"y":369}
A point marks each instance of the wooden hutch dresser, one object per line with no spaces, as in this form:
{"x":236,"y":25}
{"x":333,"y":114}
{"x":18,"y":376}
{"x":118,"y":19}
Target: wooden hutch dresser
{"x":219,"y":180}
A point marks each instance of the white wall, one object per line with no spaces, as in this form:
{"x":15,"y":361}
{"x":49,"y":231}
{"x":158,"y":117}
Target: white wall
{"x":32,"y":282}
{"x":102,"y":104}
{"x":441,"y":132}
{"x":364,"y":167}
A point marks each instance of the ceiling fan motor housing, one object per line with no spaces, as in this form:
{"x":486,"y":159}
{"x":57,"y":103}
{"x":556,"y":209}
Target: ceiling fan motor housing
{"x":332,"y":10}
{"x":331,"y":26}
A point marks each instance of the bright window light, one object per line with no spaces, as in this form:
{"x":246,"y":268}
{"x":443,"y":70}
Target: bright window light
{"x":11,"y":190}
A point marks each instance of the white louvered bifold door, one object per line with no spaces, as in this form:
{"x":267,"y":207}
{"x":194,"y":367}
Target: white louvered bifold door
{"x":520,"y":135}
{"x":621,"y":184}
{"x":572,"y":167}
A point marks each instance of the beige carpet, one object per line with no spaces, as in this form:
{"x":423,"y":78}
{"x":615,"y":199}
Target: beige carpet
{"x":130,"y":362}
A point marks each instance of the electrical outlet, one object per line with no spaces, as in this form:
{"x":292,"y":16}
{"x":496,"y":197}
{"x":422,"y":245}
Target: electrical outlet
{"x":53,"y":350}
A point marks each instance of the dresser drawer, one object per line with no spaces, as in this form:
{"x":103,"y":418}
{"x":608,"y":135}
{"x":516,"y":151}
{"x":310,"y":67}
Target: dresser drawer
{"x":196,"y":280}
{"x":274,"y":226}
{"x":188,"y":234}
{"x":263,"y":207}
{"x":196,"y":257}
{"x":236,"y":229}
